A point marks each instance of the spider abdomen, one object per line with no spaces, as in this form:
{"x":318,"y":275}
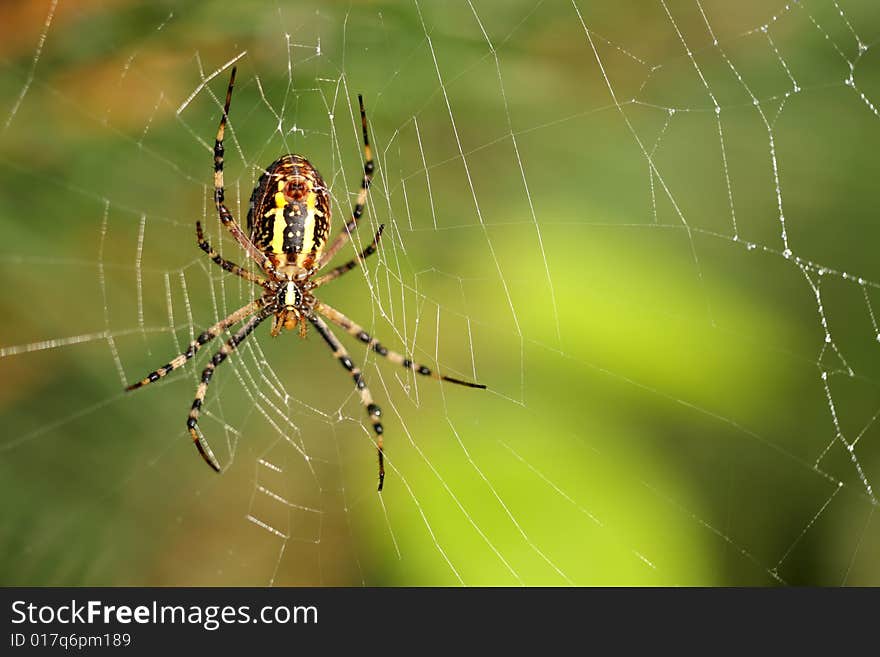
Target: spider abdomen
{"x":289,"y":215}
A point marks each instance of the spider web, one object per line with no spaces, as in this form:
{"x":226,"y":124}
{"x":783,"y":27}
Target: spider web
{"x":647,"y":229}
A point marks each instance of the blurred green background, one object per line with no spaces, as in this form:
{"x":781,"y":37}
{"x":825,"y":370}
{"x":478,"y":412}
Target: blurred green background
{"x":569,"y":220}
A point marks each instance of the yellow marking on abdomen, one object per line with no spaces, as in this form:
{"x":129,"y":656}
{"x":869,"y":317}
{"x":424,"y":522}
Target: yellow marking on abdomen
{"x":279,"y":225}
{"x":308,"y":242}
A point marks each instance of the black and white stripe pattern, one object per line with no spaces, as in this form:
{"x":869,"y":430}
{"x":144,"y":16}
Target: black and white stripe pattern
{"x":205,"y":337}
{"x":223,"y":212}
{"x":357,"y":331}
{"x":336,"y":272}
{"x":373,"y":411}
{"x":226,"y":265}
{"x":361,"y":202}
{"x":218,"y":358}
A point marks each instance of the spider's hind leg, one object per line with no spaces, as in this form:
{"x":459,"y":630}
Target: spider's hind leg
{"x":223,"y":212}
{"x":361,"y":201}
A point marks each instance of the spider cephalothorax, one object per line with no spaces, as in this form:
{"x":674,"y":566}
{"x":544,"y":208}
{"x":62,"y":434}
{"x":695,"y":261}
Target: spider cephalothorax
{"x":292,"y":305}
{"x":288,"y":225}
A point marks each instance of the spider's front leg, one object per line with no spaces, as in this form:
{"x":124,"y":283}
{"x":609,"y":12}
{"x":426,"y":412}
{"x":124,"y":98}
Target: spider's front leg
{"x":192,"y":420}
{"x":373,"y":411}
{"x":205,"y":337}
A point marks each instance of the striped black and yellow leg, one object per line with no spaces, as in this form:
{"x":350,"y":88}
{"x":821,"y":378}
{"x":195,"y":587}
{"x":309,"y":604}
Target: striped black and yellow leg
{"x":361,"y":203}
{"x":192,"y":420}
{"x":226,"y":265}
{"x":225,"y":215}
{"x":205,"y":337}
{"x":336,"y":272}
{"x":357,"y":331}
{"x":373,"y":411}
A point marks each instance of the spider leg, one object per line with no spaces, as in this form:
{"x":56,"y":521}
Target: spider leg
{"x":366,"y":398}
{"x":358,"y":210}
{"x":225,"y":215}
{"x":225,"y":264}
{"x":351,"y":264}
{"x":357,"y":331}
{"x":195,"y":345}
{"x":221,"y":355}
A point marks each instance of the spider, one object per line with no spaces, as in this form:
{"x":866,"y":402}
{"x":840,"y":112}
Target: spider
{"x":288,"y":225}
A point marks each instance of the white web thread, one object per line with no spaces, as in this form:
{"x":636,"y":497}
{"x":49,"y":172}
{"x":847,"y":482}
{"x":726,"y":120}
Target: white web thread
{"x":786,"y":252}
{"x":270,"y":381}
{"x":33,"y":69}
{"x":568,"y":498}
{"x":467,"y":171}
{"x":522,"y":172}
{"x":102,"y":281}
{"x":642,"y":147}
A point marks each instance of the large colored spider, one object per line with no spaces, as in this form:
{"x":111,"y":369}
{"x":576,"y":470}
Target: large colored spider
{"x":288,"y":225}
